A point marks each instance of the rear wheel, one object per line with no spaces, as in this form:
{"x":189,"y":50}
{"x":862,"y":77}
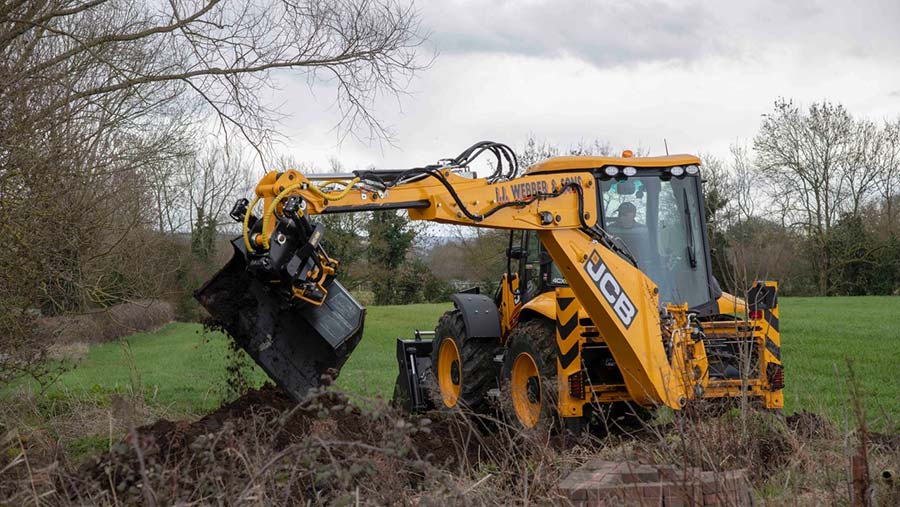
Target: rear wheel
{"x":529,"y":376}
{"x":463,"y":368}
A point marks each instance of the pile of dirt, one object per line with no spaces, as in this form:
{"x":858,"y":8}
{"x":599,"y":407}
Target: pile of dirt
{"x":809,"y":425}
{"x":324,"y":446}
{"x":266,"y":448}
{"x":171,"y":437}
{"x":329,"y":450}
{"x":886,"y":441}
{"x":293,"y":422}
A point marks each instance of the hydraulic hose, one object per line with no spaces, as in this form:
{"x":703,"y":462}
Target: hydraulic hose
{"x":271,"y":211}
{"x":337,"y":195}
{"x":331,"y":196}
{"x":245,"y":232}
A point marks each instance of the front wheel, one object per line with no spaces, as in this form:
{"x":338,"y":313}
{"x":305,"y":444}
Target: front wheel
{"x":463,"y":368}
{"x":529,"y":390}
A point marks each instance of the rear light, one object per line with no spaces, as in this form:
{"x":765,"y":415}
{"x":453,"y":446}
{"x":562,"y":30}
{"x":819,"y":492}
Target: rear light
{"x":775,"y":374}
{"x":756,"y":314}
{"x":576,"y":385}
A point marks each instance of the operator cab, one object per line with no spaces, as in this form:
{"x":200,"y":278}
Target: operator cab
{"x":657,"y":214}
{"x":654,"y":209}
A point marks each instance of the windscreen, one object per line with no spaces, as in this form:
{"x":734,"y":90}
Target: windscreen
{"x":659,"y":221}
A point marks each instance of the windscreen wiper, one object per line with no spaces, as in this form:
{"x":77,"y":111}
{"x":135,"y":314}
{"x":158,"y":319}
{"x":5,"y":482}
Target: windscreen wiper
{"x":692,"y":252}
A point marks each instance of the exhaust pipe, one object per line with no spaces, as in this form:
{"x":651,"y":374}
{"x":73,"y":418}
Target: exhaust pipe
{"x":296,"y":321}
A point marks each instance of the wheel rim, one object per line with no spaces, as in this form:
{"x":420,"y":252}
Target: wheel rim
{"x":449,"y":372}
{"x":526,"y":390}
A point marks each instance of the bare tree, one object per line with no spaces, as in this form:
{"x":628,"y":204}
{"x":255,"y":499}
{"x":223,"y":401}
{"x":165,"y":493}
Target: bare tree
{"x":888,"y":162}
{"x":213,"y":180}
{"x":744,"y":186}
{"x":863,"y":172}
{"x":807,"y":157}
{"x":101,"y":103}
{"x":827,"y":175}
{"x":223,"y":51}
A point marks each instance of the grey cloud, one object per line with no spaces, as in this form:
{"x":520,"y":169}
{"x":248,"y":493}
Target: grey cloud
{"x":607,"y":33}
{"x":601,"y":33}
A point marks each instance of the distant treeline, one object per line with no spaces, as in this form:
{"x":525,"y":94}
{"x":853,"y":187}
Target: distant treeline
{"x":813,"y":204}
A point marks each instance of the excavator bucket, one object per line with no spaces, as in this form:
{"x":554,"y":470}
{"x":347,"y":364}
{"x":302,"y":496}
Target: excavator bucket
{"x":300,"y":345}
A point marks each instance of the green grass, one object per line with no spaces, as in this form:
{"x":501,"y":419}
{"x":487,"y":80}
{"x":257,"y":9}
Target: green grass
{"x":372,"y":369}
{"x":182,"y":370}
{"x":179,"y":368}
{"x":819,"y":335}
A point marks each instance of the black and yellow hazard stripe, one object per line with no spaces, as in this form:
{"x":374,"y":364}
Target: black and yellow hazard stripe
{"x":763,"y":299}
{"x":568,"y":367}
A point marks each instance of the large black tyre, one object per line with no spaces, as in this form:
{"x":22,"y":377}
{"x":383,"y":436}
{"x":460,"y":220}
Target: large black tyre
{"x":462,"y":368}
{"x":528,"y":377}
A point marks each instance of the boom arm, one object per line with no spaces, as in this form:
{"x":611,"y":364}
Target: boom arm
{"x":621,"y":300}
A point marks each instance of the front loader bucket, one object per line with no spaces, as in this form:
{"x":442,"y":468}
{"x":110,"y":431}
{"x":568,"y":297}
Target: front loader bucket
{"x":298,"y":344}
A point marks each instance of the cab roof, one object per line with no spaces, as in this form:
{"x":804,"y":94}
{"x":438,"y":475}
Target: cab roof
{"x":555,"y":164}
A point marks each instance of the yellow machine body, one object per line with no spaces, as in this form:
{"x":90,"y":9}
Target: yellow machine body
{"x":607,"y":307}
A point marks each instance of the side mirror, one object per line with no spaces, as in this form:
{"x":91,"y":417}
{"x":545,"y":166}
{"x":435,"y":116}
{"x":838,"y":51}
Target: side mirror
{"x":515,"y":252}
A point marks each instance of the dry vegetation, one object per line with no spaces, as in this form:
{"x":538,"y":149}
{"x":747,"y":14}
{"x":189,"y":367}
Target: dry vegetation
{"x":263,"y":449}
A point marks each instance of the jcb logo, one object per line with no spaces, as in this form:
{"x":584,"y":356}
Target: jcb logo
{"x":611,"y":290}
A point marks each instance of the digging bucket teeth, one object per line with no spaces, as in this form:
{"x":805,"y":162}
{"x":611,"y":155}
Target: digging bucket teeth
{"x":299,"y":344}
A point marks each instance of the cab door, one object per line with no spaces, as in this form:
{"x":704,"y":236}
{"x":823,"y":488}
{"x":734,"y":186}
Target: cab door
{"x":531,"y":265}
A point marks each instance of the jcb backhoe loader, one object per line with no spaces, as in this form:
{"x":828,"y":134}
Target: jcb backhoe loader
{"x":608,"y":295}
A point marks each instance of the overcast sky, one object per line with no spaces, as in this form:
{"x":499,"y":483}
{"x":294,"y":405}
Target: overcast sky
{"x":698,"y":74}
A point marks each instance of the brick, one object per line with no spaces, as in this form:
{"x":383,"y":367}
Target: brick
{"x":652,"y":489}
{"x":600,"y":464}
{"x":605,"y":477}
{"x":576,"y":494}
{"x":601,"y":493}
{"x":640,"y":473}
{"x":710,"y":484}
{"x":600,"y":482}
{"x":683,"y":494}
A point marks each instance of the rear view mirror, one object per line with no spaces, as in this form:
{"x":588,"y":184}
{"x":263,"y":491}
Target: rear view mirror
{"x":625,"y":188}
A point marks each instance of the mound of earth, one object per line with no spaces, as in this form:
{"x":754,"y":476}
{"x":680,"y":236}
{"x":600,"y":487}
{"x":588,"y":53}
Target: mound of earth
{"x":809,"y":425}
{"x":325,"y":443}
{"x":176,"y":436}
{"x":326,"y":412}
{"x":326,"y":449}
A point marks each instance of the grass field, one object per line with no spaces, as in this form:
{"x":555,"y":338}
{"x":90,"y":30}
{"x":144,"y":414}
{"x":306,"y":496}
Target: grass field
{"x":819,"y":335}
{"x":181,"y":370}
